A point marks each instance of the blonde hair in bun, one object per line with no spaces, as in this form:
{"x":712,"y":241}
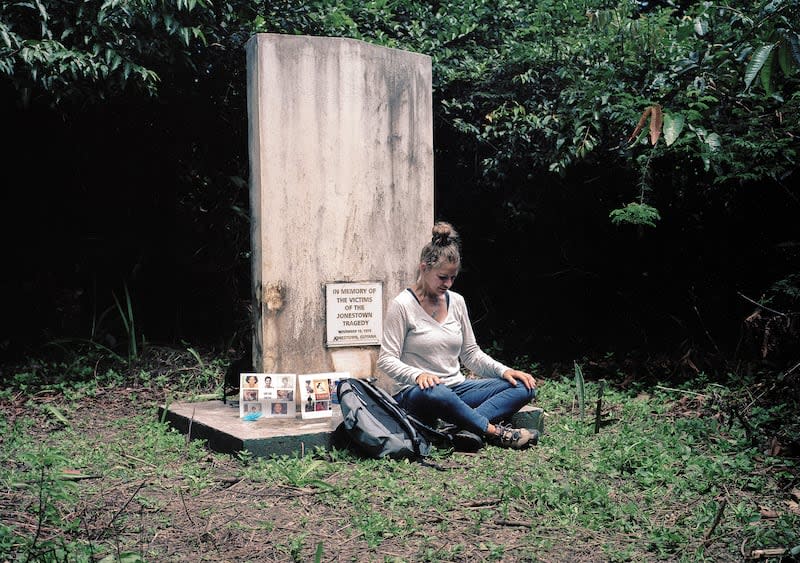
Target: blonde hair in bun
{"x":445,"y":246}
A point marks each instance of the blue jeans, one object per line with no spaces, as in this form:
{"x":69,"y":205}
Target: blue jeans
{"x":470,"y":405}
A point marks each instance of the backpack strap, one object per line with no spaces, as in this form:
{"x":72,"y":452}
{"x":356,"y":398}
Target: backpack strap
{"x":400,"y":414}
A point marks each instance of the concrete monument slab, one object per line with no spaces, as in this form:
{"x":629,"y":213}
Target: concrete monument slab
{"x":341,"y":197}
{"x":220,"y":425}
{"x":341,"y":184}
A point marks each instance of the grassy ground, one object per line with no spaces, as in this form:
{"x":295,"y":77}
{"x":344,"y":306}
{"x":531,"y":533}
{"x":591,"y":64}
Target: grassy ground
{"x":88,"y":473}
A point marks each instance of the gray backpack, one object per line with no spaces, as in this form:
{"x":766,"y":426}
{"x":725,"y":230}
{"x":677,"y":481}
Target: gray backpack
{"x":375,"y":426}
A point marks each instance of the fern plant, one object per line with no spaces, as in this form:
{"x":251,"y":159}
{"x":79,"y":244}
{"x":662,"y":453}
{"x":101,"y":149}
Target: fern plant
{"x":635,"y":214}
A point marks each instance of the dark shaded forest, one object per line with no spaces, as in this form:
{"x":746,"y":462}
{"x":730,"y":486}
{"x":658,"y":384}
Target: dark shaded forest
{"x":121,"y":190}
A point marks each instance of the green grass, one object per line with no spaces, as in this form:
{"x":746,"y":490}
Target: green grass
{"x":667,"y":477}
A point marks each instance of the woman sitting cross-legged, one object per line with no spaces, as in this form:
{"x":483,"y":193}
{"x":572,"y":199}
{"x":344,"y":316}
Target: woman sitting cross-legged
{"x":427,"y":336}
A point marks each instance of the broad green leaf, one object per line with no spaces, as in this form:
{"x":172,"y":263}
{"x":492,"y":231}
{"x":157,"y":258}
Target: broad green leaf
{"x":785,"y":60}
{"x":42,"y":11}
{"x":766,"y":73}
{"x":57,"y":414}
{"x":714,"y":141}
{"x":773,"y":6}
{"x":794,"y":47}
{"x":700,"y":26}
{"x":6,"y":37}
{"x":756,"y":63}
{"x":673,"y":125}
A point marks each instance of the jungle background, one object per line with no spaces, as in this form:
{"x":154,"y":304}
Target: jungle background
{"x":125,"y":170}
{"x":623,"y":174}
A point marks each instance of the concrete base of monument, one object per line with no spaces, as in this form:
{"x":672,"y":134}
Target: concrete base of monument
{"x":220,"y":425}
{"x":529,"y":417}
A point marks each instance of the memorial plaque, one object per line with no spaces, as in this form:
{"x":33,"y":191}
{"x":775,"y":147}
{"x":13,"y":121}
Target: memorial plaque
{"x":354,"y":313}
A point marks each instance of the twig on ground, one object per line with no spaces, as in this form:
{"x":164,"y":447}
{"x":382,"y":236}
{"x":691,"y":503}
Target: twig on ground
{"x":124,"y":506}
{"x":708,"y":334}
{"x":797,"y":365}
{"x":230,"y":481}
{"x":598,"y":413}
{"x":503,"y":522}
{"x":481,"y":503}
{"x":185,"y":509}
{"x":761,"y":305}
{"x":134,"y":458}
{"x":189,"y":433}
{"x":40,"y":515}
{"x":715,"y":523}
{"x":748,"y":430}
{"x":680,"y":391}
{"x":767,"y":553}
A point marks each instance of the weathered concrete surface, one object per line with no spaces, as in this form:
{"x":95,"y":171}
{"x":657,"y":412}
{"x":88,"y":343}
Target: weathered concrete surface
{"x":220,"y":424}
{"x":341,"y":182}
{"x":529,"y":417}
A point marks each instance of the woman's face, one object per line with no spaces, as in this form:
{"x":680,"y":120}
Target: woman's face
{"x":438,"y":279}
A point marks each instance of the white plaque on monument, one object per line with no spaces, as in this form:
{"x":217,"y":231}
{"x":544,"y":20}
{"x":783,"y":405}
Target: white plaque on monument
{"x":354,"y":313}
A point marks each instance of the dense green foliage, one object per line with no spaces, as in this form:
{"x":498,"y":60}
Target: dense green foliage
{"x":540,"y":87}
{"x":536,"y":112}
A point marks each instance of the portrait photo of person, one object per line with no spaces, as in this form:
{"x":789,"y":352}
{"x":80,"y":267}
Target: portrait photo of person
{"x":285,"y":394}
{"x":250,"y":394}
{"x":335,"y":390}
{"x":251,"y":382}
{"x":278,"y":408}
{"x":284,"y":382}
{"x":252,"y":407}
{"x":321,"y":390}
{"x":267,"y":382}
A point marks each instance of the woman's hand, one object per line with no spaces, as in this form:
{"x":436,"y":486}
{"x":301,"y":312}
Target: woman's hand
{"x":514,"y":375}
{"x":425,"y":380}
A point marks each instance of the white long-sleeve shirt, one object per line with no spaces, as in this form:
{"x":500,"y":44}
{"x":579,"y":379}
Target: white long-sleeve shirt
{"x":414,"y":342}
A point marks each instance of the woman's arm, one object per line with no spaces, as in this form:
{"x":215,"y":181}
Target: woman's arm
{"x":472,"y":357}
{"x":395,"y":327}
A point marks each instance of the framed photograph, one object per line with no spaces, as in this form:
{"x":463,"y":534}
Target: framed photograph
{"x":335,"y":385}
{"x":280,"y":395}
{"x":318,"y":393}
{"x":251,"y":408}
{"x":271,"y":394}
{"x":268,"y":387}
